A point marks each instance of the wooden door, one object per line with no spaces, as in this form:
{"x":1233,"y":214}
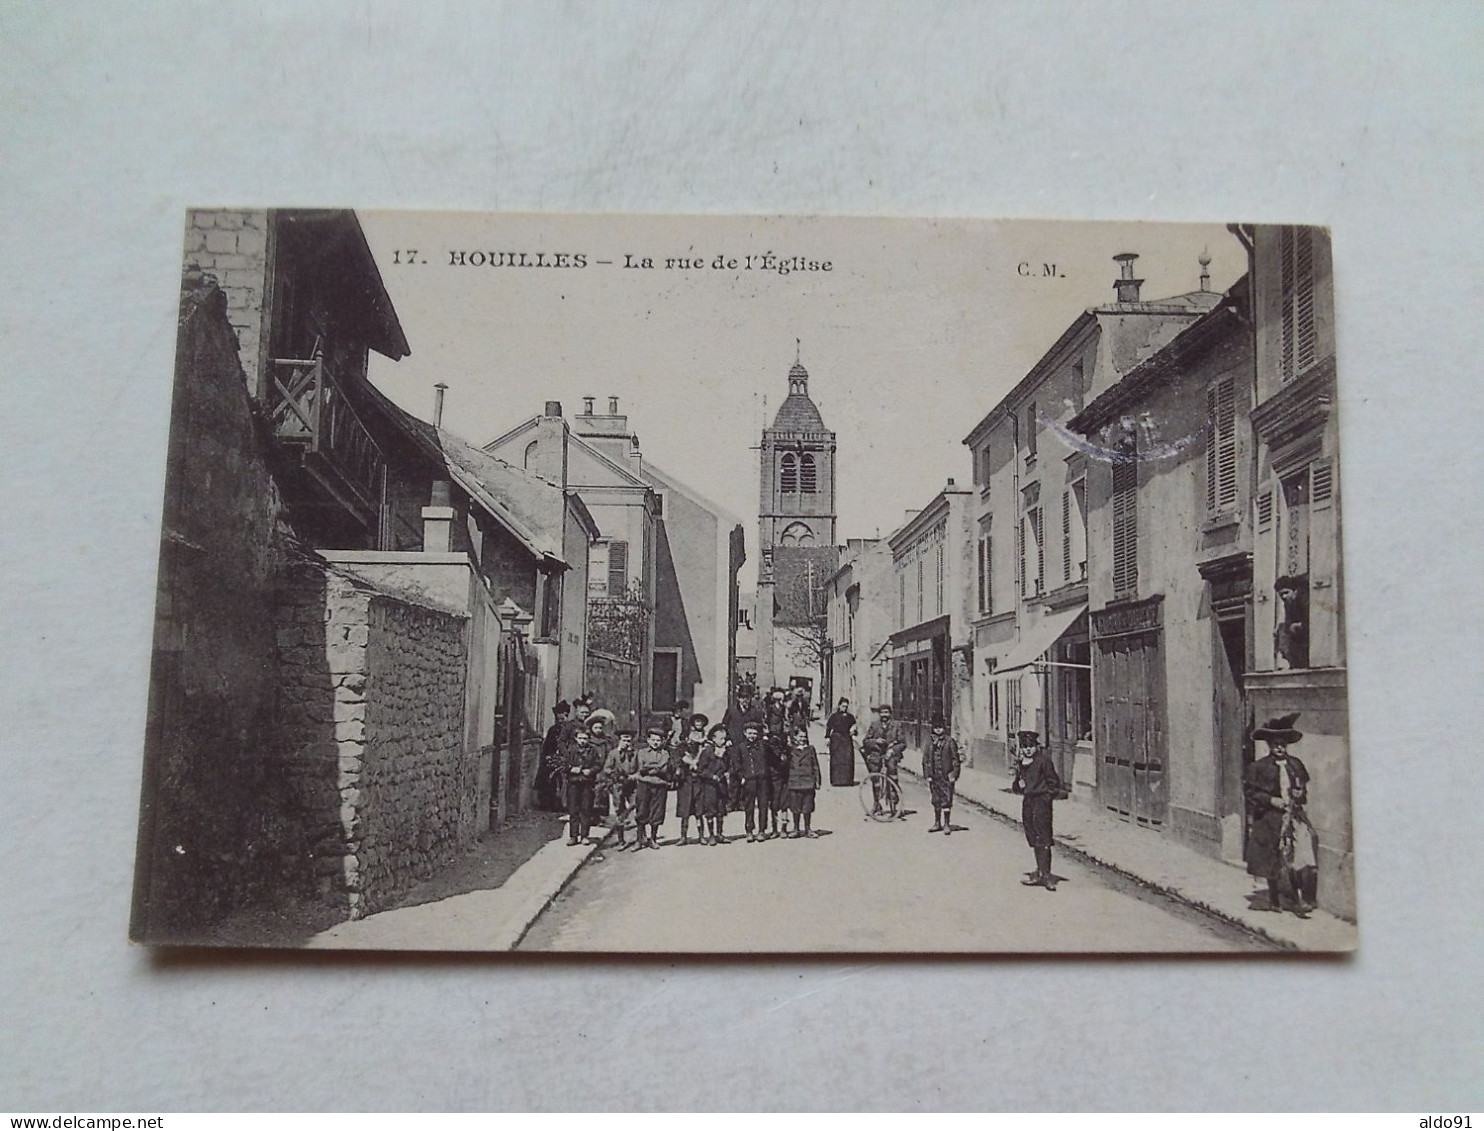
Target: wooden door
{"x":1233,"y":744}
{"x":1130,"y":743}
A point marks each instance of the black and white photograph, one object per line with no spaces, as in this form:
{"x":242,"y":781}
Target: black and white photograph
{"x":699,"y":584}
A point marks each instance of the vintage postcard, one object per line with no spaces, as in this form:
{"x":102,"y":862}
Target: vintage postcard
{"x":976,"y":585}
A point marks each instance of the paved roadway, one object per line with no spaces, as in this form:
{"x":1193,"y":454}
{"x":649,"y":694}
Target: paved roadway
{"x":866,"y":886}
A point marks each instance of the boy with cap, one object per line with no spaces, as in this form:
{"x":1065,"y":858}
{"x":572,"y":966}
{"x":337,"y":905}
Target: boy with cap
{"x":711,"y":784}
{"x":583,"y":765}
{"x":940,"y":765}
{"x":776,"y":748}
{"x":803,"y":783}
{"x":752,"y":769}
{"x":651,"y":783}
{"x":617,"y":777}
{"x":1039,"y":784}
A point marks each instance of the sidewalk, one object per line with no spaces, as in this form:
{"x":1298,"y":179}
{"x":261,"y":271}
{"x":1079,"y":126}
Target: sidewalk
{"x":1159,"y":863}
{"x":488,"y":920}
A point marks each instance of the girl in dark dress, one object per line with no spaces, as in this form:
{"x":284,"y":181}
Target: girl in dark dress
{"x":684,"y":760}
{"x":839,"y":731}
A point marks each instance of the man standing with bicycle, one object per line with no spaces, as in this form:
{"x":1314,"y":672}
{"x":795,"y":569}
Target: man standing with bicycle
{"x":882,"y":749}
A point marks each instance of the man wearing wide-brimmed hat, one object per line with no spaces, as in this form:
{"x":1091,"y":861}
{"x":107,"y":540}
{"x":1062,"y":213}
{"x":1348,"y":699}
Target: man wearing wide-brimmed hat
{"x":1281,"y":843}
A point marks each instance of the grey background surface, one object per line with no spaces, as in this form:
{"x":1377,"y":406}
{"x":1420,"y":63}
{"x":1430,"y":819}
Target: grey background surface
{"x":1366,"y":119}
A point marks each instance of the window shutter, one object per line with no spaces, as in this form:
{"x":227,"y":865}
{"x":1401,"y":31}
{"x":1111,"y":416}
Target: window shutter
{"x":1020,"y":550}
{"x":809,"y":480}
{"x":1322,"y":483}
{"x":1221,"y":446}
{"x":790,"y":484}
{"x":988,"y":573}
{"x":1030,"y":430}
{"x":1303,"y":300}
{"x":1038,"y":529}
{"x":1066,"y":536}
{"x":1125,"y":526}
{"x":1265,"y":508}
{"x":618,"y":568}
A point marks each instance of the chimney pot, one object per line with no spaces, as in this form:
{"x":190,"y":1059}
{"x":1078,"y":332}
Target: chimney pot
{"x":1126,"y":287}
{"x":587,"y":406}
{"x":612,"y":406}
{"x":553,"y":408}
{"x":438,"y":390}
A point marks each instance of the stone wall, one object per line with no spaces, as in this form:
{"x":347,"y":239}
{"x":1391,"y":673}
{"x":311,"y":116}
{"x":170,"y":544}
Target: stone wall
{"x":212,"y":834}
{"x":385,"y":786}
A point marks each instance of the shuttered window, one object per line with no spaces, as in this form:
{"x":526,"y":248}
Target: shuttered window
{"x":1125,"y":525}
{"x":1265,"y":508}
{"x":919,"y":590}
{"x":1321,"y":483}
{"x":1296,"y":267}
{"x":938,"y":570}
{"x":790,"y":477}
{"x":618,"y":567}
{"x":986,"y":570}
{"x":808,"y":477}
{"x":1066,"y":536}
{"x":1038,"y":536}
{"x":1221,"y":446}
{"x":1030,"y":432}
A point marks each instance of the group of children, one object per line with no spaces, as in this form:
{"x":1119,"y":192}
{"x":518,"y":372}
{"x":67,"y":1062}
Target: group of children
{"x":750,"y":762}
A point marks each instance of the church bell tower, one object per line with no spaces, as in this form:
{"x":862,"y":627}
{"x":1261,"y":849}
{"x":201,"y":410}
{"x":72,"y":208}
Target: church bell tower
{"x":796,"y":527}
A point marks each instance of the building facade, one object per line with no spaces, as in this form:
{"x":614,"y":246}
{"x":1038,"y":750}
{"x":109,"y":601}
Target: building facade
{"x":1170,"y":587}
{"x":1032,"y":648}
{"x":1297,"y":577}
{"x":859,"y":595}
{"x":796,"y":539}
{"x":931,"y":646}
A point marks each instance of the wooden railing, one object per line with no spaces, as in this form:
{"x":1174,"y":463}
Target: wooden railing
{"x":310,"y":410}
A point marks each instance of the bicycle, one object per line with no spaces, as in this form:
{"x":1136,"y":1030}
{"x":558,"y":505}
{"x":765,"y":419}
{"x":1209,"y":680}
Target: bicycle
{"x":880,"y":793}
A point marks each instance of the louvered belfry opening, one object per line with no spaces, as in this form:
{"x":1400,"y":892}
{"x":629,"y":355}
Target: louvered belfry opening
{"x":789,"y":480}
{"x":808,"y":476}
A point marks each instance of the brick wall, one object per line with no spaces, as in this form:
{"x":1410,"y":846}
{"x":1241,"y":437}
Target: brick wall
{"x":231,"y":246}
{"x":385,"y":786}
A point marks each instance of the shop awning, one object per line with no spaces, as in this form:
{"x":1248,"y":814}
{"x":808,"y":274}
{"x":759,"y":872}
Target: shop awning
{"x":1039,"y":637}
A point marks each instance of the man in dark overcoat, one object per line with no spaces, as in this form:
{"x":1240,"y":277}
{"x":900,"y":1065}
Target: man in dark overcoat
{"x":1280,"y":840}
{"x":1039,"y":785}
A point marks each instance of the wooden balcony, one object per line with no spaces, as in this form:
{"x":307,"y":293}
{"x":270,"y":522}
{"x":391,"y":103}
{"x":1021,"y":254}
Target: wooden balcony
{"x":310,"y":412}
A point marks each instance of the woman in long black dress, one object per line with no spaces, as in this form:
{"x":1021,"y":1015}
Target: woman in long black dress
{"x":839,"y":731}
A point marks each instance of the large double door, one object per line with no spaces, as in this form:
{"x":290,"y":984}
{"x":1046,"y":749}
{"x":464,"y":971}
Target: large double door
{"x":1131,"y":740}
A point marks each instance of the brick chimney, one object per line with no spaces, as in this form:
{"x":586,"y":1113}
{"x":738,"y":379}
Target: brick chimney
{"x":1126,"y":287}
{"x":548,"y":449}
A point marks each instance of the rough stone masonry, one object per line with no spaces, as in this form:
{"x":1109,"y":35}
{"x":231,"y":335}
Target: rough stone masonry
{"x":373,"y":717}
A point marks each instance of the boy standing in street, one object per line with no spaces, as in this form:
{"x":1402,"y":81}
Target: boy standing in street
{"x":752,"y":768}
{"x":1039,"y":784}
{"x":617,"y":776}
{"x":652,"y":774}
{"x":940,"y":765}
{"x":803,"y":783}
{"x":583,"y":765}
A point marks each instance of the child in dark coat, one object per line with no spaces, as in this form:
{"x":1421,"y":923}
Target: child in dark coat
{"x":803,"y":782}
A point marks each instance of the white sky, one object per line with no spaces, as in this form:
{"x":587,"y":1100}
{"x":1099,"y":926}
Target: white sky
{"x":920,"y":328}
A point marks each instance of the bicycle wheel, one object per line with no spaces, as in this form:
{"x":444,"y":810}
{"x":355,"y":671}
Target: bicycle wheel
{"x":880,"y":797}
